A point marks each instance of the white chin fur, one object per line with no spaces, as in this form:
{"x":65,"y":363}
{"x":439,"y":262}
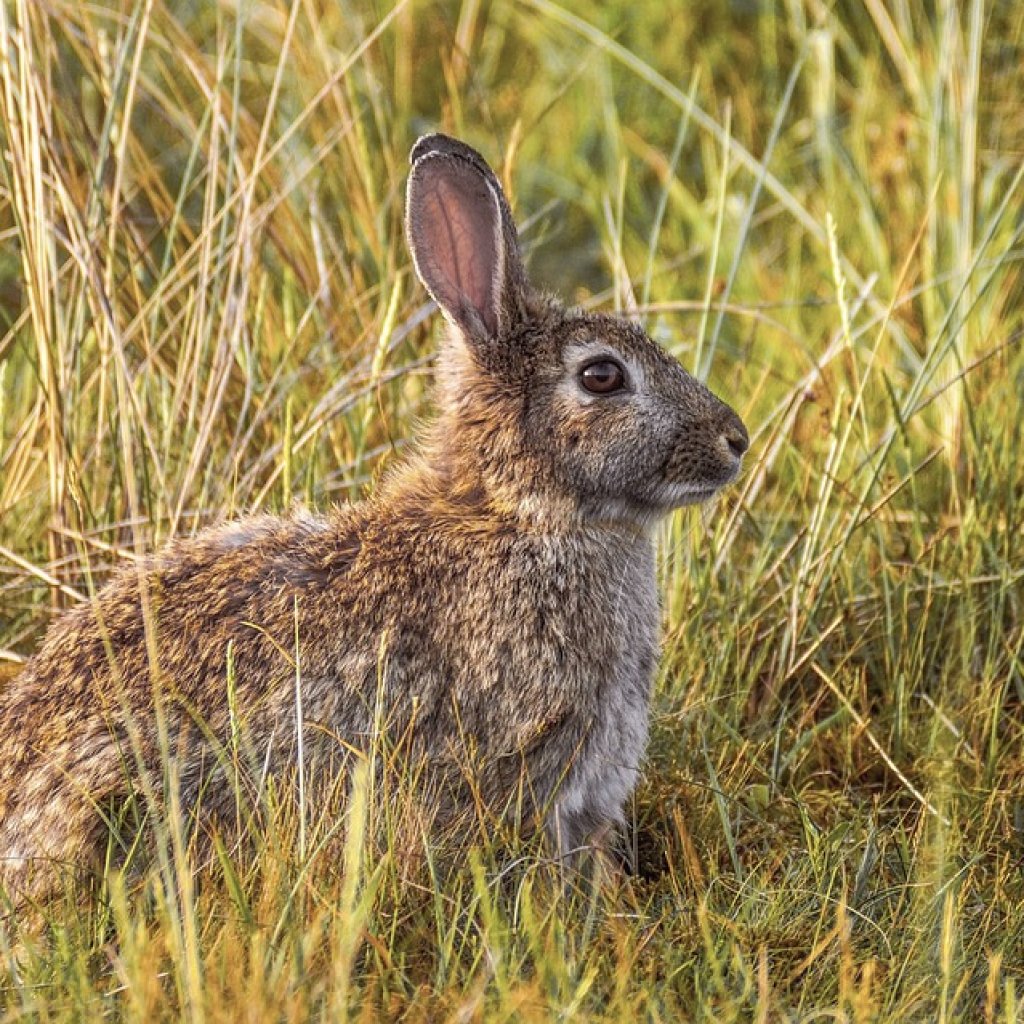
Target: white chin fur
{"x":649,"y":512}
{"x":679,"y":495}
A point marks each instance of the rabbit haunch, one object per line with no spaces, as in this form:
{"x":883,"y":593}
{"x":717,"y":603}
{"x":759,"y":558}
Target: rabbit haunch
{"x":491,"y":609}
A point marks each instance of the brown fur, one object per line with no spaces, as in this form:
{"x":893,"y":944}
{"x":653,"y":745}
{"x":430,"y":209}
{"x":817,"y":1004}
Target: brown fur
{"x":490,"y":611}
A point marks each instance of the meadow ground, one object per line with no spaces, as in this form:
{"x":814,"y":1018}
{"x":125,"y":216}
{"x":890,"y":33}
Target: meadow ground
{"x":206,"y":306}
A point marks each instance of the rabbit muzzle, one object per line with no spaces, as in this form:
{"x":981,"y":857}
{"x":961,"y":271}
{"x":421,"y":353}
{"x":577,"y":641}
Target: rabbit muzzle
{"x":707,"y":455}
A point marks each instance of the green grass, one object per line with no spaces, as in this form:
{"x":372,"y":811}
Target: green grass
{"x":206,"y":306}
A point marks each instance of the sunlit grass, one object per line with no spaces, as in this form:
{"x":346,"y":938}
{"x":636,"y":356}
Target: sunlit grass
{"x":206,"y":306}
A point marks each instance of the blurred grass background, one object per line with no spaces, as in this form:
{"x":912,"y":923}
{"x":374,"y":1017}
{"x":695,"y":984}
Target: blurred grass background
{"x":206,"y":306}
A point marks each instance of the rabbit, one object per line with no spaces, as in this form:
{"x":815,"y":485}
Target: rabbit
{"x":492,"y":604}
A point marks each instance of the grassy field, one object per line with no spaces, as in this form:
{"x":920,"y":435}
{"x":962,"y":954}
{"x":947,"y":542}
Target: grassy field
{"x":206,"y":306}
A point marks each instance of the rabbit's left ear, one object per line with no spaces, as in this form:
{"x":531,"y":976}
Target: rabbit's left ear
{"x":463,"y":239}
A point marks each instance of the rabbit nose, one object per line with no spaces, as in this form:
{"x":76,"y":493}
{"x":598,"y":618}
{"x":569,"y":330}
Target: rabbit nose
{"x":735,"y":434}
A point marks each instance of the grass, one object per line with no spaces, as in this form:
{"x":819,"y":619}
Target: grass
{"x":206,"y":306}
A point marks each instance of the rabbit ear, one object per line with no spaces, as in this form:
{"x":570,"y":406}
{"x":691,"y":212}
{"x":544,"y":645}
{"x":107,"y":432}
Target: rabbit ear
{"x":462,"y":237}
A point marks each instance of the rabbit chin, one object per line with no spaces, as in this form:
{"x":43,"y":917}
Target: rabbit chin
{"x":678,"y":495}
{"x":647,"y":511}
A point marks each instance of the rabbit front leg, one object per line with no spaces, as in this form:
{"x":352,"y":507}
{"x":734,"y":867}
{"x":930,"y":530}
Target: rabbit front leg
{"x":589,"y":811}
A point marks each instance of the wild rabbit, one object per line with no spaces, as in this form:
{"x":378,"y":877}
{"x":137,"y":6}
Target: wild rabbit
{"x":493,"y":604}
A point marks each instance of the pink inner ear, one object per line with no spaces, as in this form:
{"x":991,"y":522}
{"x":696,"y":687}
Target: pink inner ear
{"x":455,"y":231}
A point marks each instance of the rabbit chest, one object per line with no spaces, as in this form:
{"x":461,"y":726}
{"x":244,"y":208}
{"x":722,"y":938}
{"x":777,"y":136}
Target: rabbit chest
{"x":561,"y":650}
{"x":615,"y":644}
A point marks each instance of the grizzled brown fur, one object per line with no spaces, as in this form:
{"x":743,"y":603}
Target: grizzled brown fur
{"x":493,"y":605}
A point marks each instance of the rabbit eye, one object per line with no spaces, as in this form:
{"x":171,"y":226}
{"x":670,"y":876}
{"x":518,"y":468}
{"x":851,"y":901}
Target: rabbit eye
{"x":603,"y":377}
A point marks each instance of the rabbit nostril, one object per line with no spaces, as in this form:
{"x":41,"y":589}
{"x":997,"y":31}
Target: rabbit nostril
{"x":737,"y":440}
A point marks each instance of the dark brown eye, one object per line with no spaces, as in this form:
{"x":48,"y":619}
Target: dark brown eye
{"x":603,"y":377}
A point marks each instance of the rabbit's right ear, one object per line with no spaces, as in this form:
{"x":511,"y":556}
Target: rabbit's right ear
{"x":463,"y":239}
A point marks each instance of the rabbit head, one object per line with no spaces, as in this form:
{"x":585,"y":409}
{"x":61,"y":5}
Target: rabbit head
{"x":558,"y":413}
